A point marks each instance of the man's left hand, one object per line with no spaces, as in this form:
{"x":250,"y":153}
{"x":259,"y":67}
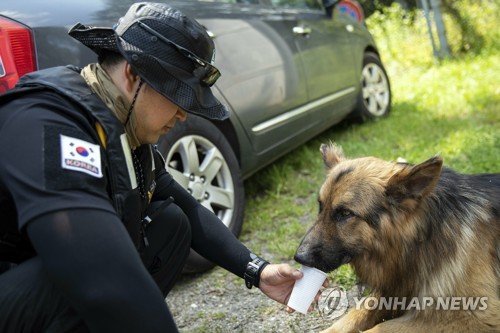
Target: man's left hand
{"x":276,"y":282}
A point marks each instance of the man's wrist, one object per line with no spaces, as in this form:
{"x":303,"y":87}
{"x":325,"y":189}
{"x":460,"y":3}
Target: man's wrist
{"x":253,"y":271}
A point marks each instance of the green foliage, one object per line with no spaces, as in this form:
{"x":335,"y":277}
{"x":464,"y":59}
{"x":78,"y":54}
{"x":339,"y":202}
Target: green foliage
{"x":403,"y":35}
{"x":391,"y":26}
{"x":450,"y":109}
{"x":372,"y":6}
{"x":472,"y":26}
{"x":344,"y":276}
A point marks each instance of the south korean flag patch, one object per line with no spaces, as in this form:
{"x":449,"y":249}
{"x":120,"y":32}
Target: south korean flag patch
{"x":80,"y":155}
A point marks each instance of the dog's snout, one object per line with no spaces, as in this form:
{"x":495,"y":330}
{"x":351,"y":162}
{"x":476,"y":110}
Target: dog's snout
{"x":300,"y":256}
{"x":303,"y":256}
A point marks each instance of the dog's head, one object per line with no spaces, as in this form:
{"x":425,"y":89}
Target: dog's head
{"x":364,"y":208}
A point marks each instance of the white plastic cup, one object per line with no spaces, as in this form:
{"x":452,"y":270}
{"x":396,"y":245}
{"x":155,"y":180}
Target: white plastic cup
{"x":306,"y":288}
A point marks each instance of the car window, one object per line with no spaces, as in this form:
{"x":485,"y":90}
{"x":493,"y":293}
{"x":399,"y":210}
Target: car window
{"x":299,"y":4}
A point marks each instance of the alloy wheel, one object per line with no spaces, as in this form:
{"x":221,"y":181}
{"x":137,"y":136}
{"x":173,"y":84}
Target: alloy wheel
{"x":198,"y":166}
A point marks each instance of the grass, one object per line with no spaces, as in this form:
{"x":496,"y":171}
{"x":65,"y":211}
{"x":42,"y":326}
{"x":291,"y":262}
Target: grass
{"x":450,"y":108}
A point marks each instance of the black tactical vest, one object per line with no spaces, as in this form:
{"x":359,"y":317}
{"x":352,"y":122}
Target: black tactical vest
{"x":117,"y":160}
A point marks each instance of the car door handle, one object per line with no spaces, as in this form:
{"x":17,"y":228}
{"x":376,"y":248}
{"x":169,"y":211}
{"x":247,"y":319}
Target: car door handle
{"x":301,"y":30}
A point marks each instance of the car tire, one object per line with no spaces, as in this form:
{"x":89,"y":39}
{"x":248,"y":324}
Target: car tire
{"x":222,"y":191}
{"x":374,"y":98}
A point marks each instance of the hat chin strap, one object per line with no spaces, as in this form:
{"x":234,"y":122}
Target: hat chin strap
{"x":133,"y":102}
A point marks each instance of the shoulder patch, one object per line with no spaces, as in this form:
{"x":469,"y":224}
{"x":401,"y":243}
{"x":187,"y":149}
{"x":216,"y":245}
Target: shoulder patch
{"x":80,"y":155}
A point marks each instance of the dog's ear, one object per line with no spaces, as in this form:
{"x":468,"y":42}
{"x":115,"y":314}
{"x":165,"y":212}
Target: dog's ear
{"x":414,"y":181}
{"x":332,"y":154}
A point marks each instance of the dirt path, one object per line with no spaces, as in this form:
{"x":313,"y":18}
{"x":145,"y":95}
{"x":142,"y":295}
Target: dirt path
{"x":217,"y":301}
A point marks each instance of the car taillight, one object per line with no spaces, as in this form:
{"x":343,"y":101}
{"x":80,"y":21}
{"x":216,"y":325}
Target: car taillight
{"x":17,"y":53}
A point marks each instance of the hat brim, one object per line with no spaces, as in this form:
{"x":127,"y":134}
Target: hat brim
{"x":95,"y":38}
{"x":175,"y":84}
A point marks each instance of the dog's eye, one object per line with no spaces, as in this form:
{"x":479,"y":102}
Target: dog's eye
{"x":341,"y":214}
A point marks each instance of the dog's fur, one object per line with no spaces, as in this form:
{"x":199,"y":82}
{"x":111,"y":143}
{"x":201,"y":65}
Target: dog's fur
{"x":409,"y":231}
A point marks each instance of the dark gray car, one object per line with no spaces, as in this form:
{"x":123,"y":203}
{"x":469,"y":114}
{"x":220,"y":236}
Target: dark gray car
{"x":288,"y":70}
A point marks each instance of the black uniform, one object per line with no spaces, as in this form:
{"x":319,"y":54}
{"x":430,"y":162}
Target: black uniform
{"x":71,"y":205}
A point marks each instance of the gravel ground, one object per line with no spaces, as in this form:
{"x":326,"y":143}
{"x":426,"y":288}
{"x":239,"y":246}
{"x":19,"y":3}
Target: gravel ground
{"x":217,"y":301}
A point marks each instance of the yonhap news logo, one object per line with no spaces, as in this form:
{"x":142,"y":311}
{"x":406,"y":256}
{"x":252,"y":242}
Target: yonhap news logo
{"x":333,"y":302}
{"x":452,"y":303}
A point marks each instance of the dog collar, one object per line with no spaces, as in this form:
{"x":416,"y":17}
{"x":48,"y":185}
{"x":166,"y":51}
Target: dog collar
{"x":253,"y":270}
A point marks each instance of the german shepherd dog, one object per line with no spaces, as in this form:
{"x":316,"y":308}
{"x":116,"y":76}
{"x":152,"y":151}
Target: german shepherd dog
{"x":422,"y":233}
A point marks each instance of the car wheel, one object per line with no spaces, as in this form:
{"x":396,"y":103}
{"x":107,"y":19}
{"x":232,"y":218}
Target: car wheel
{"x":201,"y":160}
{"x":374,"y":99}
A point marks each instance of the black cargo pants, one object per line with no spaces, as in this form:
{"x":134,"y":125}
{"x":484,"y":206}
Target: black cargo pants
{"x":31,"y":303}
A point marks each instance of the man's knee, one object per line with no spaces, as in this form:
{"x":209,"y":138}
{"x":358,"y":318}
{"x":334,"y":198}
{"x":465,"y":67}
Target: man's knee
{"x":169,"y":233}
{"x":177,"y":222}
{"x":182,"y":219}
{"x":169,"y":237}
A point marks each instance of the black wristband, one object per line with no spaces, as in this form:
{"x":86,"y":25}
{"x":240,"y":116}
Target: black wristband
{"x":254,"y":268}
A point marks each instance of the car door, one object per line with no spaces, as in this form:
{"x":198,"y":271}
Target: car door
{"x":327,"y":57}
{"x":262,"y":78}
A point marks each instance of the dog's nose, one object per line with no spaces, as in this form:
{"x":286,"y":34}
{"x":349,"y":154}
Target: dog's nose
{"x":302,"y":257}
